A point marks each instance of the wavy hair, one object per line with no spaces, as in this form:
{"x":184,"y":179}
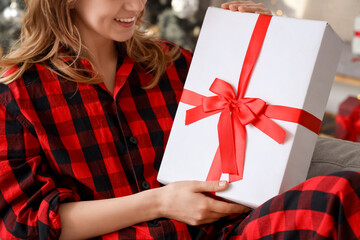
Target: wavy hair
{"x":49,"y":37}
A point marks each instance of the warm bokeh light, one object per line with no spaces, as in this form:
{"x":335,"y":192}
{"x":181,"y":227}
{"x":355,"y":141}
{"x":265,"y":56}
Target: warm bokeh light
{"x":298,"y":6}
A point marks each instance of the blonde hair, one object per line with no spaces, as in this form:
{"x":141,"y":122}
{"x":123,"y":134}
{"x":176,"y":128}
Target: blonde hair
{"x":49,"y":37}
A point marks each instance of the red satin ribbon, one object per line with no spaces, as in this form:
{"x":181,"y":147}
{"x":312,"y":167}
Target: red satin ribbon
{"x":236,"y":112}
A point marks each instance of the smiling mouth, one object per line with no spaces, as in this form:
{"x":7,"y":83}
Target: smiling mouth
{"x":125,"y":20}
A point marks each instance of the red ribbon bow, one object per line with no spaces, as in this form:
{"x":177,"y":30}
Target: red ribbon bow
{"x":246,"y":109}
{"x":235,"y":115}
{"x":237,"y":112}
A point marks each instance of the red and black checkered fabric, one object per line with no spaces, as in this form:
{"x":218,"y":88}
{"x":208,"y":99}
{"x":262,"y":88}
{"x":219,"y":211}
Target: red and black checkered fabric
{"x":324,"y":207}
{"x":61,"y":141}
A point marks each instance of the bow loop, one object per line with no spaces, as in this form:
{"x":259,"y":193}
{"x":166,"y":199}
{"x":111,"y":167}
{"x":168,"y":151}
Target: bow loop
{"x":222,"y":88}
{"x":249,"y":109}
{"x":214,"y":104}
{"x":246,"y":109}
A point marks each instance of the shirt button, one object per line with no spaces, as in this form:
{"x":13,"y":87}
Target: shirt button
{"x":133,"y":140}
{"x":145,"y":185}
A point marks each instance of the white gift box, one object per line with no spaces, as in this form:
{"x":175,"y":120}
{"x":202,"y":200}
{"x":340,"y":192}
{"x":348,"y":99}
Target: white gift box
{"x":295,"y":68}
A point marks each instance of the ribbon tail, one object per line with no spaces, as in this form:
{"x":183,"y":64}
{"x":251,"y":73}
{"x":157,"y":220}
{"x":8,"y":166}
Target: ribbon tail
{"x":191,"y":98}
{"x":235,"y":177}
{"x":227,"y":143}
{"x":195,"y":114}
{"x":214,"y":173}
{"x":215,"y":169}
{"x":270,"y":128}
{"x":240,"y":146}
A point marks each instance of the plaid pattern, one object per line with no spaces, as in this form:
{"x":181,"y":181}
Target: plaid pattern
{"x":61,"y":141}
{"x":325,"y":207}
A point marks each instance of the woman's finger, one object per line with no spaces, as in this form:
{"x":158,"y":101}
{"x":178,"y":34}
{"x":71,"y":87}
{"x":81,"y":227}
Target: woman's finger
{"x":246,"y":6}
{"x":209,"y":186}
{"x":263,"y":12}
{"x":227,"y":208}
{"x":227,"y":4}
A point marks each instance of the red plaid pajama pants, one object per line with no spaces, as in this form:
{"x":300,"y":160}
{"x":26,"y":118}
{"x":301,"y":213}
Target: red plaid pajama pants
{"x":325,"y":207}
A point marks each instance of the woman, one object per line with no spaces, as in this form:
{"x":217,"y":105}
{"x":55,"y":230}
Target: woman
{"x":87,"y":104}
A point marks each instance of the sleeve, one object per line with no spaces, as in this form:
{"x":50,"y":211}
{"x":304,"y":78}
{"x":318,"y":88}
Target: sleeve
{"x":29,"y":197}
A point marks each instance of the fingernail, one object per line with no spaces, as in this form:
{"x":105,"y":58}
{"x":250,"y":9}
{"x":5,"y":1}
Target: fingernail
{"x":222,"y":183}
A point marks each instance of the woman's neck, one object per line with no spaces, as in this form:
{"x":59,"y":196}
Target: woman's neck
{"x":104,"y":57}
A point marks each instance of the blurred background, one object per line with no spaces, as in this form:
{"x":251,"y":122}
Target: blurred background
{"x":180,"y":21}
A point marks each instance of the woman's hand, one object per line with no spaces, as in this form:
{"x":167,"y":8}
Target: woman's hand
{"x":246,"y":6}
{"x":187,"y":202}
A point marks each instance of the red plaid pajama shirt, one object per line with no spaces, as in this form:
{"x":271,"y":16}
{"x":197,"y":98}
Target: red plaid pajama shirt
{"x":61,"y":141}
